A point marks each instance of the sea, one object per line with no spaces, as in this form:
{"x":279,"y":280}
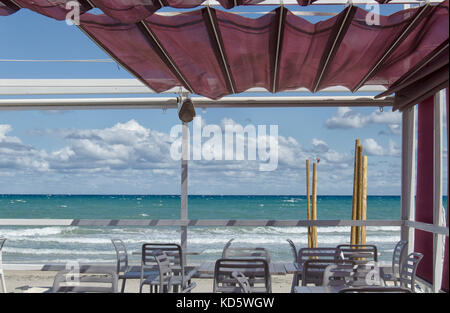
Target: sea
{"x":55,"y":244}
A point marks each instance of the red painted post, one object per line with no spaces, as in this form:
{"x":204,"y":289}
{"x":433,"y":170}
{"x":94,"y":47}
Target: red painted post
{"x":423,"y":241}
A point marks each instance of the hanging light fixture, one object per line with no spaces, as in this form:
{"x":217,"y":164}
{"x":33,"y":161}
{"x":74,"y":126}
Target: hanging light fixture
{"x":187,"y":111}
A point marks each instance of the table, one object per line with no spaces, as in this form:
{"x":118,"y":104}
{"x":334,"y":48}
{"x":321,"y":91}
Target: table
{"x":274,"y":268}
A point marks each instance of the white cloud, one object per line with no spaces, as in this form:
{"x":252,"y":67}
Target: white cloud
{"x":131,"y":158}
{"x":15,"y":155}
{"x":371,"y":147}
{"x":347,"y":118}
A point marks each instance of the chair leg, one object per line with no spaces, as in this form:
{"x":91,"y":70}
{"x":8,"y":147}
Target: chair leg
{"x":294,"y":283}
{"x":3,"y":282}
{"x":123,"y":285}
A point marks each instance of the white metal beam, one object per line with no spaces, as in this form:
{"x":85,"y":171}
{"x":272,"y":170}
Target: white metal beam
{"x":438,"y":214}
{"x":200,"y":102}
{"x":11,"y":87}
{"x":184,"y":185}
{"x":408,"y":174}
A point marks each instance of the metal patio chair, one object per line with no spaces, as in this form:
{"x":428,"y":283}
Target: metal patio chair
{"x":124,"y":271}
{"x":227,"y":245}
{"x":339,"y":275}
{"x":293,"y":249}
{"x":164,"y":279}
{"x":314,"y":269}
{"x":359,"y":253}
{"x":89,"y":281}
{"x":295,"y":278}
{"x":408,"y":271}
{"x":255,"y":270}
{"x":397,"y":259}
{"x":244,"y":253}
{"x":351,"y":274}
{"x":2,"y":274}
{"x":242,"y":282}
{"x":174,"y":253}
{"x":329,"y":254}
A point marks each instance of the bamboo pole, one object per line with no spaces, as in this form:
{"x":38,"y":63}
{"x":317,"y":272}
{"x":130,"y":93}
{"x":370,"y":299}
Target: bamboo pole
{"x":314,"y":203}
{"x":359,"y":193}
{"x":364,"y":199}
{"x":355,"y":170}
{"x":308,"y":205}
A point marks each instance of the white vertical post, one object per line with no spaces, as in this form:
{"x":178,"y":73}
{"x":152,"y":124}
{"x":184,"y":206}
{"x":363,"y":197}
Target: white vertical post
{"x":408,"y":173}
{"x":438,"y":240}
{"x":184,"y":185}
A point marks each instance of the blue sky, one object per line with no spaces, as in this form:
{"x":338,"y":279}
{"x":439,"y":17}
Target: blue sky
{"x":77,"y":151}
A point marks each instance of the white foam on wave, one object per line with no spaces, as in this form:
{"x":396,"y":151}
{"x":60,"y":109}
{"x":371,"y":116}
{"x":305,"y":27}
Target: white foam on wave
{"x":47,"y":251}
{"x":34,"y":232}
{"x":290,"y":230}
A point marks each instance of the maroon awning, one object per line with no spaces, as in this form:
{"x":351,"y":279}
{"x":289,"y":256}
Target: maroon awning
{"x":215,"y":53}
{"x":129,"y":11}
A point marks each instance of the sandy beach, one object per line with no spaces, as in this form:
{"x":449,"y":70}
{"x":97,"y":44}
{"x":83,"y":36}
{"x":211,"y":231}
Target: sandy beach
{"x":26,"y":281}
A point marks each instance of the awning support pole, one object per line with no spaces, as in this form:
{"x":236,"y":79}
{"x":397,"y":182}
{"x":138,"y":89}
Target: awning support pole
{"x":154,"y":41}
{"x":280,"y":30}
{"x":408,"y":174}
{"x":438,"y":216}
{"x":217,"y":38}
{"x":334,"y":46}
{"x":184,"y":186}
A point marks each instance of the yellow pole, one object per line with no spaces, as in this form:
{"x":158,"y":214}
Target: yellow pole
{"x":364,"y":199}
{"x":359,"y":193}
{"x":308,"y":204}
{"x":314,"y":203}
{"x":355,"y":170}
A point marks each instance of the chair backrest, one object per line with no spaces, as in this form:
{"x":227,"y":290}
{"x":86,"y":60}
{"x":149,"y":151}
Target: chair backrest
{"x":408,"y":270}
{"x":314,"y":269}
{"x":398,"y":256}
{"x":293,"y":249}
{"x":244,"y":253}
{"x":165,"y":271}
{"x":324,"y":253}
{"x":173,"y":251}
{"x":359,"y":253}
{"x":121,"y":255}
{"x":256,"y":269}
{"x":375,"y":289}
{"x":242,"y":282}
{"x":339,"y":274}
{"x":227,"y":245}
{"x":88,"y":281}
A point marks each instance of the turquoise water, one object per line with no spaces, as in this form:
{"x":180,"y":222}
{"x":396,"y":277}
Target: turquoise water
{"x":86,"y":244}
